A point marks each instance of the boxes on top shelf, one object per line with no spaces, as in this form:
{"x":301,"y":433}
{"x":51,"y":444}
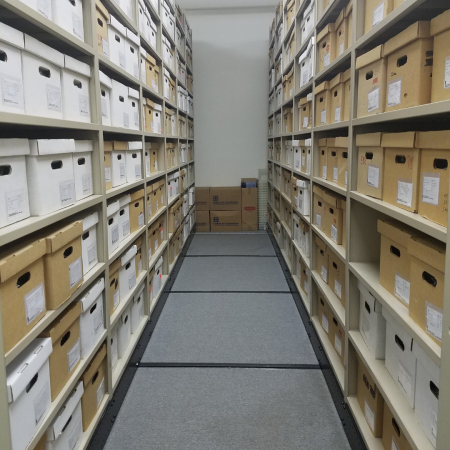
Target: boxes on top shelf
{"x":375,"y":12}
{"x":306,"y":63}
{"x":440,"y":84}
{"x":69,"y":16}
{"x":342,"y":32}
{"x":326,"y":46}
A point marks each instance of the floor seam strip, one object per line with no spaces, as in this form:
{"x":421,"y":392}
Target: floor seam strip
{"x":228,"y":292}
{"x":147,"y":365}
{"x":231,"y":256}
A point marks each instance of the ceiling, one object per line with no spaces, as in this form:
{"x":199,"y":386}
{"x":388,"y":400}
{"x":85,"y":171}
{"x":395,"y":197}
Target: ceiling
{"x":216,"y":4}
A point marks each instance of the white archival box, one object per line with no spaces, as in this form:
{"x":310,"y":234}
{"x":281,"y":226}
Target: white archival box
{"x":82,"y":169}
{"x":51,"y":183}
{"x":114,"y":348}
{"x":133,"y":157}
{"x":105,"y":98}
{"x":118,"y":168}
{"x":120,"y":116}
{"x":127,"y":272}
{"x":167,"y":93}
{"x":124,"y":217}
{"x":132,"y":54}
{"x":143,"y":55}
{"x":147,"y":161}
{"x":128,"y":7}
{"x":192,"y":218}
{"x":28,"y":391}
{"x":191,"y":196}
{"x":307,"y":23}
{"x":400,"y":360}
{"x":124,"y":332}
{"x":304,"y":198}
{"x":112,"y":212}
{"x":116,"y":38}
{"x":68,"y":14}
{"x":297,"y":151}
{"x":89,"y":242}
{"x":137,"y":309}
{"x":157,"y":277}
{"x":152,"y":32}
{"x":133,"y":108}
{"x":91,"y":318}
{"x":75,"y":81}
{"x":14,"y":205}
{"x":142,"y":19}
{"x":11,"y":46}
{"x":43,"y":7}
{"x":41,"y":69}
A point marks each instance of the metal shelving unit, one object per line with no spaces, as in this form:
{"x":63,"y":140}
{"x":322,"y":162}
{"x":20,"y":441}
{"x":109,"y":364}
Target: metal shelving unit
{"x":20,"y":16}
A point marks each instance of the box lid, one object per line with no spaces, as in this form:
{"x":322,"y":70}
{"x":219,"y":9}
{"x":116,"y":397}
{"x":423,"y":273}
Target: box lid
{"x":136,"y":195}
{"x":105,"y":80}
{"x":63,"y":236}
{"x":14,"y":147}
{"x":326,"y":30}
{"x":346,"y":75}
{"x":415,"y":31}
{"x":92,"y":295}
{"x":128,"y":255}
{"x":318,"y":191}
{"x":84,"y":146}
{"x":426,"y":362}
{"x":58,"y":327}
{"x":143,"y":52}
{"x":396,"y":231}
{"x":102,"y":9}
{"x":19,"y":259}
{"x":323,"y":142}
{"x":369,"y":140}
{"x":370,"y":57}
{"x":23,"y":369}
{"x":114,"y":23}
{"x":433,"y":139}
{"x":43,"y":51}
{"x":341,"y":142}
{"x":95,"y":364}
{"x":339,"y":19}
{"x":399,"y":140}
{"x":134,"y":145}
{"x":303,"y":101}
{"x":302,"y":184}
{"x":124,"y":200}
{"x":51,"y":146}
{"x":321,"y":244}
{"x":133,"y":93}
{"x":440,"y":23}
{"x":132,"y":37}
{"x":429,"y":251}
{"x":114,"y":267}
{"x":322,"y":87}
{"x":112,"y":208}
{"x":11,"y":36}
{"x":336,"y":80}
{"x":90,"y":221}
{"x":77,"y":66}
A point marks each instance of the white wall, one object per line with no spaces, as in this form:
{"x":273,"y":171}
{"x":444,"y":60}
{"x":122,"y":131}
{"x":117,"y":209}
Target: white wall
{"x":230,"y":52}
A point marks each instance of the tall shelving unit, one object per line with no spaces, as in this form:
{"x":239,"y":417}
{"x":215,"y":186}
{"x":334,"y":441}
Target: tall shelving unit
{"x":362,"y":252}
{"x":18,"y":15}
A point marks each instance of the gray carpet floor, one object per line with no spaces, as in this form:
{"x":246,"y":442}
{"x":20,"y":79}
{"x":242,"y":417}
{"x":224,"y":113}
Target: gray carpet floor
{"x":231,"y":274}
{"x":230,"y":328}
{"x":227,"y":409}
{"x":228,"y":244}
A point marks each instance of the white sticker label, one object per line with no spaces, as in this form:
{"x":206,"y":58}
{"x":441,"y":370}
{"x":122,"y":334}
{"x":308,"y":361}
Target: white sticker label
{"x":324,"y":273}
{"x":137,"y":171}
{"x":141,"y":220}
{"x":122,"y":170}
{"x":116,"y":299}
{"x":74,"y":356}
{"x":92,"y":253}
{"x":341,"y":48}
{"x":378,"y":14}
{"x":405,"y":193}
{"x":149,"y":210}
{"x":34,"y":303}
{"x":83,"y":104}
{"x":122,"y":60}
{"x":100,"y":392}
{"x":305,"y":122}
{"x":104,"y":108}
{"x":434,"y":423}
{"x":334,"y":233}
{"x":115,"y":234}
{"x":405,"y":380}
{"x":394,"y":93}
{"x":338,"y":344}
{"x":77,"y":26}
{"x":373,"y":103}
{"x":98,"y":317}
{"x":434,"y":320}
{"x":325,"y":322}
{"x":15,"y":204}
{"x":67,"y":192}
{"x":41,"y":403}
{"x":430,"y":188}
{"x":345,"y":178}
{"x":75,"y":435}
{"x":318,"y":220}
{"x":45,"y":8}
{"x":402,"y":288}
{"x":107,"y":174}
{"x":156,"y":244}
{"x":326,"y":60}
{"x":131,"y":281}
{"x":126,"y":120}
{"x":373,"y":176}
{"x":324,"y":172}
{"x":337,"y":114}
{"x":75,"y":272}
{"x":126,"y":228}
{"x":370,"y":416}
{"x":338,"y":289}
{"x":323,"y":117}
{"x":87,"y":184}
{"x":335,"y":174}
{"x":12,"y":92}
{"x":53,"y":98}
{"x":447,"y":73}
{"x":394,"y":445}
{"x":105,"y":47}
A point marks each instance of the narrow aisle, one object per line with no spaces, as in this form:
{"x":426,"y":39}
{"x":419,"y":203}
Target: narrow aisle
{"x":229,"y":364}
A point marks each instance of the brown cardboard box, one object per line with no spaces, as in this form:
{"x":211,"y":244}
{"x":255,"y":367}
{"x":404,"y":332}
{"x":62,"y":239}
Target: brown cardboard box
{"x":375,"y":12}
{"x":342,"y":30}
{"x":372,"y":75}
{"x":323,"y":158}
{"x":304,"y":281}
{"x":349,"y":14}
{"x":434,"y":176}
{"x":202,"y":219}
{"x":173,"y":219}
{"x":346,"y":79}
{"x":324,"y":314}
{"x":409,"y":67}
{"x":393,"y":436}
{"x":277,"y":202}
{"x":319,"y":209}
{"x":288,"y":118}
{"x":337,"y":156}
{"x":65,"y":357}
{"x":102,"y":19}
{"x":202,"y":199}
{"x":322,"y":259}
{"x":150,"y":212}
{"x":149,"y":114}
{"x":326,"y":44}
{"x":137,"y":218}
{"x":290,"y":13}
{"x":107,"y":161}
{"x":306,"y":159}
{"x":63,"y":266}
{"x":138,"y":260}
{"x":332,"y":161}
{"x":95,"y":387}
{"x":336,"y":278}
{"x":337,"y":99}
{"x":152,"y":73}
{"x":440,"y":84}
{"x":225,"y":198}
{"x":157,"y":196}
{"x":401,"y":170}
{"x":249,"y":209}
{"x":154,"y":157}
{"x":395,"y":261}
{"x":153,"y":240}
{"x":22,"y":291}
{"x":370,"y":165}
{"x":370,"y":400}
{"x":41,"y":444}
{"x":323,"y":104}
{"x":114,"y":296}
{"x":334,"y":217}
{"x":288,"y":83}
{"x":305,"y":108}
{"x":226,"y":221}
{"x":286,"y":182}
{"x":336,"y":336}
{"x":427,"y":285}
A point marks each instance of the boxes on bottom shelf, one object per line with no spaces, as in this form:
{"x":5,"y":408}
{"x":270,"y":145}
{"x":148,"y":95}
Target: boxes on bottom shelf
{"x":336,"y":335}
{"x":336,"y":278}
{"x":114,"y":291}
{"x":202,"y":221}
{"x":324,"y":312}
{"x":225,"y":221}
{"x":321,"y":259}
{"x":127,"y":272}
{"x":124,"y":332}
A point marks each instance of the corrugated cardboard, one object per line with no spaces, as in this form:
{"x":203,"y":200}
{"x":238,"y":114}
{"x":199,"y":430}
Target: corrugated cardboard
{"x":375,"y":12}
{"x":336,"y":335}
{"x":323,"y":157}
{"x":108,"y":179}
{"x":225,"y":199}
{"x":337,"y":99}
{"x":427,"y":285}
{"x":334,"y":217}
{"x":226,"y":221}
{"x":342,"y":31}
{"x":65,"y":357}
{"x":440,"y":84}
{"x":326,"y":44}
{"x":305,"y":108}
{"x":323,"y":104}
{"x":137,"y":218}
{"x":324,"y":314}
{"x":347,"y":88}
{"x":336,"y":278}
{"x":319,"y":210}
{"x":202,"y":220}
{"x":321,"y":259}
{"x":202,"y":199}
{"x":249,"y":209}
{"x":102,"y":18}
{"x":393,"y":436}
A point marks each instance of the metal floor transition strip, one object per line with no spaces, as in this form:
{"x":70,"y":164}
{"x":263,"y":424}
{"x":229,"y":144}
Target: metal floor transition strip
{"x":230,"y":366}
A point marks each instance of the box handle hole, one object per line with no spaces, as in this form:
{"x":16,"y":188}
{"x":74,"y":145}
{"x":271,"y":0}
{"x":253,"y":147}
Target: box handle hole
{"x":434,"y":390}
{"x":68,"y":251}
{"x":402,"y":61}
{"x":5,"y":170}
{"x":395,"y":251}
{"x":23,"y":279}
{"x":400,"y":159}
{"x":65,"y":338}
{"x":32,"y":383}
{"x":44,"y":72}
{"x":400,"y":343}
{"x":440,"y":163}
{"x":429,"y":279}
{"x":56,"y":165}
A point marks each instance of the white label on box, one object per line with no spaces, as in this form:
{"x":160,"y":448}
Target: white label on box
{"x":147,"y":166}
{"x":378,"y":14}
{"x":156,"y":244}
{"x":115,"y":234}
{"x":373,"y":100}
{"x":34,"y":303}
{"x":41,"y":403}
{"x":341,"y":48}
{"x":373,"y":176}
{"x":325,"y":322}
{"x":122,"y":60}
{"x":122,"y":170}
{"x":15,"y":203}
{"x":149,"y":210}
{"x":338,"y":344}
{"x":337,"y":114}
{"x":136,"y":119}
{"x":75,"y":272}
{"x":67,"y":192}
{"x":107,"y":174}
{"x":434,"y":321}
{"x":335,"y":174}
{"x":98,"y":317}
{"x":104,"y":108}
{"x":345,"y":178}
{"x":366,"y":327}
{"x":370,"y":416}
{"x":105,"y":46}
{"x":140,"y":266}
{"x":447,"y":73}
{"x":87,"y":184}
{"x":126,"y":120}
{"x":136,"y":70}
{"x":306,"y":286}
{"x":305,"y":122}
{"x":434,"y":423}
{"x":100,"y":392}
{"x":334,"y":233}
{"x":154,"y":85}
{"x":150,"y":253}
{"x":394,"y":93}
{"x":77,"y":26}
{"x":44,"y":7}
{"x":83,"y":103}
{"x":53,"y":98}
{"x":116,"y":299}
{"x":12,"y":91}
{"x":318,"y":220}
{"x":430,"y":188}
{"x":126,"y":228}
{"x":324,"y":273}
{"x":323,"y":117}
{"x":324,"y":172}
{"x":156,"y":205}
{"x":92,"y":253}
{"x":404,"y":378}
{"x":326,"y":60}
{"x":338,"y":289}
{"x":131,"y":281}
{"x":137,"y":171}
{"x":394,"y":445}
{"x":405,"y":193}
{"x":141,"y":220}
{"x":74,"y":355}
{"x":402,"y":288}
{"x":75,"y":435}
